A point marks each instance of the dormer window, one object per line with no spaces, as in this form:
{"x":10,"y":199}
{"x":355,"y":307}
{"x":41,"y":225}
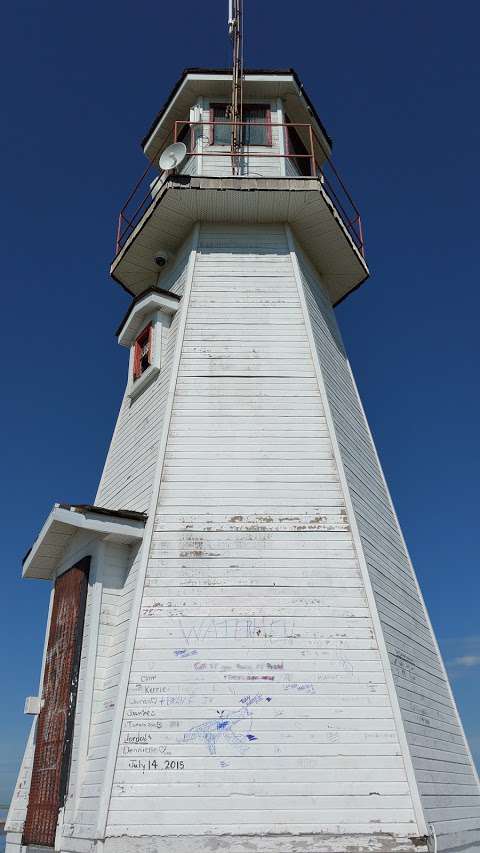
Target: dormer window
{"x":256,"y":126}
{"x":142,"y":356}
{"x":149,"y":315}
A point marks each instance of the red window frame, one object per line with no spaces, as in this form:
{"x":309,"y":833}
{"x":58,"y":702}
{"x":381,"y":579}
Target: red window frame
{"x":145,"y":337}
{"x":246,"y":108}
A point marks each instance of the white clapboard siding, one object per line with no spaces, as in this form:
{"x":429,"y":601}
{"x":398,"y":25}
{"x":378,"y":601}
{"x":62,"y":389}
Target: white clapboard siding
{"x":190,"y":166}
{"x":430,"y":719}
{"x":255,"y":662}
{"x":127,"y":478}
{"x":118,"y":577}
{"x":17,"y":811}
{"x":258,"y":700}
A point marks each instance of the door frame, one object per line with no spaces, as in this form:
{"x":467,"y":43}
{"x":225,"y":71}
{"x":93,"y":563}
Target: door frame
{"x":65,"y":761}
{"x":84,"y":564}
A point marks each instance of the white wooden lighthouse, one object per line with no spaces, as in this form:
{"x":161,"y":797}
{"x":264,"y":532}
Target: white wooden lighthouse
{"x":238,"y":657}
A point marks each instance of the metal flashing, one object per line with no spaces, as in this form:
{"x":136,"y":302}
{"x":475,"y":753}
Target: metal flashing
{"x":101,"y":510}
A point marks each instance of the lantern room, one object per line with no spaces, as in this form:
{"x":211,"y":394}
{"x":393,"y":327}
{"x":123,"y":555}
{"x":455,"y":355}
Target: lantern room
{"x":280,"y":133}
{"x":279,"y":170}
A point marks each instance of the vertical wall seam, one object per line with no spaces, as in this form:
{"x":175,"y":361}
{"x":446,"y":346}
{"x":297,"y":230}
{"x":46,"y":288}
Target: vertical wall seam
{"x":146,"y":543}
{"x":399,"y":724}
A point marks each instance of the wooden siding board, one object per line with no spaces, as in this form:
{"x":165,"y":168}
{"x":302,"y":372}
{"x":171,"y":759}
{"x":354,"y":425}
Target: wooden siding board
{"x":18,"y":805}
{"x":435,"y":737}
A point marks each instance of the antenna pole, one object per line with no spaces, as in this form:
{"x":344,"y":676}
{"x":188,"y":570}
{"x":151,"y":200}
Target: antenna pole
{"x":235,"y":22}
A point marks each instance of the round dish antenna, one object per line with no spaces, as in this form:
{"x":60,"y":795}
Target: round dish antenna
{"x":173,"y":156}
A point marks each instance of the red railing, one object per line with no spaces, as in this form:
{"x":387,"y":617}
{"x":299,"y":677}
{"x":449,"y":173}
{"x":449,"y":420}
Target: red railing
{"x":297,"y":150}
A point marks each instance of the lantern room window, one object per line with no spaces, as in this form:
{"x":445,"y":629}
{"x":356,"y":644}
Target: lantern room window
{"x":142,"y":355}
{"x":184,"y":134}
{"x":256,"y":126}
{"x":303,"y":162}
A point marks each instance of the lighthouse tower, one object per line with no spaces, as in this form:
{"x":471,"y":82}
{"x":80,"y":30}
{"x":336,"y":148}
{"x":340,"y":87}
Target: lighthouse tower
{"x":238,"y":656}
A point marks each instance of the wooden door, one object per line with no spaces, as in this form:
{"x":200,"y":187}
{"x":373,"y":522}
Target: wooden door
{"x":53,"y":744}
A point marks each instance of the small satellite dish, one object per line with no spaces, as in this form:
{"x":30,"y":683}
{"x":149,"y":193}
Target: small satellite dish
{"x":173,"y":156}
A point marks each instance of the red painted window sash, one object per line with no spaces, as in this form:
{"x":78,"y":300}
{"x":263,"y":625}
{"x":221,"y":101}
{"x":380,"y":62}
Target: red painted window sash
{"x":150,"y":342}
{"x":137,"y":352}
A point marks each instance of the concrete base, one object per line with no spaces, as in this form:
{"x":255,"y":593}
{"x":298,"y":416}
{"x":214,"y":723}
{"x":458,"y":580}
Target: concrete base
{"x":273,"y":843}
{"x":374,"y":843}
{"x":464,"y":842}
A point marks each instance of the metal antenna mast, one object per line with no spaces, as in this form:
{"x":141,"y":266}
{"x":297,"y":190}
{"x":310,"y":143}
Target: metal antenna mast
{"x":235,"y":29}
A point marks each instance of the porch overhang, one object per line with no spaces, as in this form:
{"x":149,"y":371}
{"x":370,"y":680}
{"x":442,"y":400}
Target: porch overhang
{"x":123,"y":526}
{"x":183,"y":200}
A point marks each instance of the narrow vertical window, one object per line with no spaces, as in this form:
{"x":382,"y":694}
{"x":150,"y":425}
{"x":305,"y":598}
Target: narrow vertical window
{"x":303,"y":162}
{"x":221,"y":129}
{"x":142,"y":354}
{"x":257,"y":129}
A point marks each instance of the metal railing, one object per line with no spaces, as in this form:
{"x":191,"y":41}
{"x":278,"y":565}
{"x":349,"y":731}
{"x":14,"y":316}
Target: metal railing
{"x":308,"y":160}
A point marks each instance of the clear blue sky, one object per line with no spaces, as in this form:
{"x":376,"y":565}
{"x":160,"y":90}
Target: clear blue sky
{"x":397,"y":86}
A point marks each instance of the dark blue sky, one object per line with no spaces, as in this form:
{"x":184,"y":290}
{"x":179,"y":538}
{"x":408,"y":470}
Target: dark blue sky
{"x":397,"y":87}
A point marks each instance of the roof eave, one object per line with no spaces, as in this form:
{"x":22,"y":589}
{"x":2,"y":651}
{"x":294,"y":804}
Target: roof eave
{"x":224,"y":71}
{"x":120,"y":525}
{"x":168,"y":296}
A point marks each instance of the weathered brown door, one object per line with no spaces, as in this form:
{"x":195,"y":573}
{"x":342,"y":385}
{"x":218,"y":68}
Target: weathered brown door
{"x":53,"y":744}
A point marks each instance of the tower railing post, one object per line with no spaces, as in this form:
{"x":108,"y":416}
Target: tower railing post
{"x":312,"y":152}
{"x":360,"y":234}
{"x":119,"y":231}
